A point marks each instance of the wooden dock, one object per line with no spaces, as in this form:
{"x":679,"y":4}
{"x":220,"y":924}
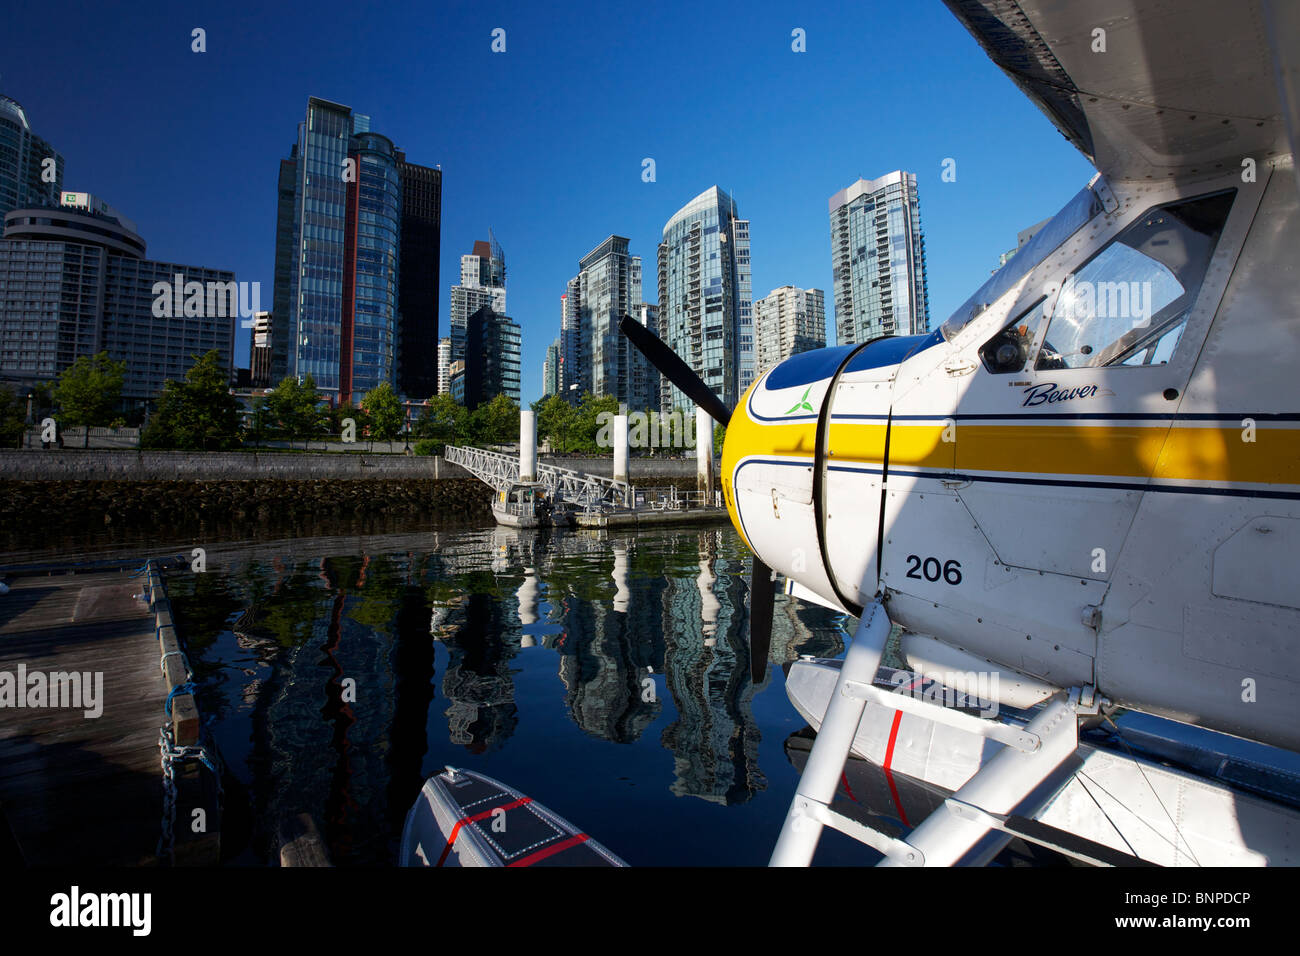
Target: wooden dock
{"x":78,"y":789}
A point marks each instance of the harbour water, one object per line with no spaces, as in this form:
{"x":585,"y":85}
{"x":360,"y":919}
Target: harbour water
{"x":605,"y":675}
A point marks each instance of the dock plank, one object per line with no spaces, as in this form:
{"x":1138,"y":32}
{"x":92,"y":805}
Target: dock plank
{"x":78,"y":790}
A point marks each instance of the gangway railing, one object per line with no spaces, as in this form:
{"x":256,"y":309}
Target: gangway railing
{"x":501,"y":471}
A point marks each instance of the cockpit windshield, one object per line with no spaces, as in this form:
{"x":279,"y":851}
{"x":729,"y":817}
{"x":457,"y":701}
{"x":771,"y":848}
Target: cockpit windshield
{"x":1076,"y":214}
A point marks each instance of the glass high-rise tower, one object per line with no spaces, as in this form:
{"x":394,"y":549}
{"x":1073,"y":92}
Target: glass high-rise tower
{"x":606,"y":288}
{"x":339,"y":293}
{"x":705,"y":297}
{"x":482,"y":282}
{"x":417,"y":368}
{"x":24,"y":161}
{"x":878,"y":259}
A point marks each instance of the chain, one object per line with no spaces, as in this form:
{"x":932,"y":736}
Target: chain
{"x":171,"y":755}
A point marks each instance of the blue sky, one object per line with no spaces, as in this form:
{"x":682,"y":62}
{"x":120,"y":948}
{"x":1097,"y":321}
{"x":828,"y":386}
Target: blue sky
{"x":544,"y":143}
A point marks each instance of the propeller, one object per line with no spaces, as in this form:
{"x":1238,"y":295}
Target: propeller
{"x":761,"y":587}
{"x":762,"y":593}
{"x":671,"y":365}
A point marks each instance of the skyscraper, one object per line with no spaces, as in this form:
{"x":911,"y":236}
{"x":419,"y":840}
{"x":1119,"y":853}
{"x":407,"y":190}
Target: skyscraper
{"x":878,"y":259}
{"x":705,"y":307}
{"x":551,"y":370}
{"x":339,"y":257}
{"x":417,"y":368}
{"x":570,"y":342}
{"x":786,"y":321}
{"x":286,"y":254}
{"x":606,"y":288}
{"x":492,"y":351}
{"x":369,"y":334}
{"x":444,"y":365}
{"x":260,"y":352}
{"x":643,"y":392}
{"x":482,"y":283}
{"x":31,"y":170}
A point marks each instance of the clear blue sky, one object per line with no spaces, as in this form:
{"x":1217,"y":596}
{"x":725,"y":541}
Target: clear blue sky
{"x":544,"y":143}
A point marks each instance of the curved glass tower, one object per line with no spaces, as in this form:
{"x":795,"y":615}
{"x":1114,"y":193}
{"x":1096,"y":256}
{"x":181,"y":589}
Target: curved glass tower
{"x":23,"y":157}
{"x":369,"y":333}
{"x":705,"y":297}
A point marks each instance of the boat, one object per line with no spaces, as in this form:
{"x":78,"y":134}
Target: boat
{"x":463,"y":818}
{"x":528,"y":505}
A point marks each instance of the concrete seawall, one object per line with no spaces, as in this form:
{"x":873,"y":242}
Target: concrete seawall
{"x":70,"y":464}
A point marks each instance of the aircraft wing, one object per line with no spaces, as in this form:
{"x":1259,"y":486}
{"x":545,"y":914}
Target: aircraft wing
{"x":1179,"y":87}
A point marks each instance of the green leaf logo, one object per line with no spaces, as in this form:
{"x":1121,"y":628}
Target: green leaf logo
{"x":802,"y":404}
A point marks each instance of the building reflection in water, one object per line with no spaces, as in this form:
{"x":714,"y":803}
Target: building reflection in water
{"x":646,"y":629}
{"x":714,"y":739}
{"x":617,"y":628}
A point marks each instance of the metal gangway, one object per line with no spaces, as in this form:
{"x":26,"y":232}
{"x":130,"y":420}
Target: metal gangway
{"x":501,"y":473}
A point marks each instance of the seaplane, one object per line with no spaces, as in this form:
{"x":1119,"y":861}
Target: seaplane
{"x":1082,"y":489}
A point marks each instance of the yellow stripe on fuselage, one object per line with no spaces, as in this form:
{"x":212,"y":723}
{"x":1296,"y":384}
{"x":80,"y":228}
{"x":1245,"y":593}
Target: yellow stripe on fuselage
{"x":1184,"y":452}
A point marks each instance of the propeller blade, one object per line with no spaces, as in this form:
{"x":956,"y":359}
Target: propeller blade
{"x":671,"y":365}
{"x":762,"y":597}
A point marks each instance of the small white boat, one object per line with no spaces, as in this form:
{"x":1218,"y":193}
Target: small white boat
{"x":529,"y":506}
{"x":463,"y":818}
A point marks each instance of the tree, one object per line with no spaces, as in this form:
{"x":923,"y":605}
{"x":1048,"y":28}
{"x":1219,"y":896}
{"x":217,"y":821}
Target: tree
{"x":586,"y":424}
{"x":292,"y":410}
{"x":13,"y":419}
{"x":496,"y":422}
{"x":385,"y":412}
{"x":719,"y":438}
{"x":198,"y":414}
{"x":339,"y":413}
{"x":88,"y":390}
{"x":443,"y":421}
{"x":555,"y":419}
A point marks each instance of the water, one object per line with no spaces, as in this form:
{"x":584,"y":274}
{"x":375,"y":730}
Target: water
{"x":605,"y":675}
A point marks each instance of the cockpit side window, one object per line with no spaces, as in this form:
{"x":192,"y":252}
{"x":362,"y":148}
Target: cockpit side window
{"x":1009,"y":350}
{"x":1127,"y":305}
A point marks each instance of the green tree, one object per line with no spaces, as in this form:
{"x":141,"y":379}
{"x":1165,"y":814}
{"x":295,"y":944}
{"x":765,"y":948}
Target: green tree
{"x":88,"y":390}
{"x":719,"y":438}
{"x":198,"y":414}
{"x":587,"y":422}
{"x":496,"y":422}
{"x":339,"y":413}
{"x":555,"y":419}
{"x":384,"y":411}
{"x":292,"y":410}
{"x":443,"y":421}
{"x":13,"y":418}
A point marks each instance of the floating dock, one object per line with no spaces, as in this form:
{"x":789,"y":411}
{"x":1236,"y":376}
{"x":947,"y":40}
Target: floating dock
{"x":647,"y":517}
{"x":91,"y":675}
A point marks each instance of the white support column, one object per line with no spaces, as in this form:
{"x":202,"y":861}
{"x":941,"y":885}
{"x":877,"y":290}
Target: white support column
{"x":704,"y":454}
{"x":527,"y":445}
{"x":620,"y":446}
